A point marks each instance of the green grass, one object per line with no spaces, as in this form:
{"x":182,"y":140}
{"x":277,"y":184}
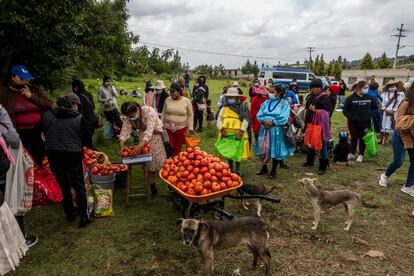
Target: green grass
{"x":144,"y":239}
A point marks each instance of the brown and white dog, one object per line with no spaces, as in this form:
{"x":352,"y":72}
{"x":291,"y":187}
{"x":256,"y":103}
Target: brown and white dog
{"x":251,"y":189}
{"x":327,"y":199}
{"x":210,"y":235}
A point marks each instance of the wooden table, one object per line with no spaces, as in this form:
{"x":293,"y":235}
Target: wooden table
{"x":145,"y":191}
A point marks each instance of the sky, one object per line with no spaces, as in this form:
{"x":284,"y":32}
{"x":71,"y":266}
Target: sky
{"x":271,"y":31}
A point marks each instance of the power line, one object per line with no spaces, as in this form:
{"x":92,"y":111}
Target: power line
{"x":310,"y":49}
{"x":399,"y":35}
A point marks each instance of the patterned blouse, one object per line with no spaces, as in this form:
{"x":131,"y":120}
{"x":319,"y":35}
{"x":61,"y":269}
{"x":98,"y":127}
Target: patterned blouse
{"x":150,"y":123}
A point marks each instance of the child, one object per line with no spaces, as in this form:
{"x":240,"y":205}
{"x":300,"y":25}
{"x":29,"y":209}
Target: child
{"x":210,"y":113}
{"x":342,"y":149}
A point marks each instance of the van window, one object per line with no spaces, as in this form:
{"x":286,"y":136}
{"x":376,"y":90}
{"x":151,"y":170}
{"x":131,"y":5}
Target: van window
{"x":289,"y":75}
{"x":311,"y":77}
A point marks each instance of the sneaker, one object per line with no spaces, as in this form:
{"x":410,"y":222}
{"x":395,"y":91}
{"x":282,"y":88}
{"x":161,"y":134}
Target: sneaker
{"x":383,"y":180}
{"x":360,"y":158}
{"x":408,"y":190}
{"x":31,"y":240}
{"x":351,"y":157}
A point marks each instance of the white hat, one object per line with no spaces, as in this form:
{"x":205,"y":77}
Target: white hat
{"x":235,"y":84}
{"x":232,"y":92}
{"x":159,"y":85}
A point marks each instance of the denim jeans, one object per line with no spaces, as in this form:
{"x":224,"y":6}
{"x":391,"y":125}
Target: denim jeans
{"x":341,"y":101}
{"x":399,"y":156}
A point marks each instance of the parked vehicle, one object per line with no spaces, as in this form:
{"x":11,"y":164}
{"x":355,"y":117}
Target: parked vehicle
{"x":286,"y":75}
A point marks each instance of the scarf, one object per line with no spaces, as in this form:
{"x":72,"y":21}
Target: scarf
{"x":240,"y":108}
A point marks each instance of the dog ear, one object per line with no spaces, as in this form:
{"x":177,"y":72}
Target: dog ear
{"x":179,"y":221}
{"x":203,"y":225}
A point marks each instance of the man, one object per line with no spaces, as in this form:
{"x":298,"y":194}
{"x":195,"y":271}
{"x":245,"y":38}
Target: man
{"x":335,"y":89}
{"x":200,"y":94}
{"x":187,"y":82}
{"x":87,"y":107}
{"x":317,"y":100}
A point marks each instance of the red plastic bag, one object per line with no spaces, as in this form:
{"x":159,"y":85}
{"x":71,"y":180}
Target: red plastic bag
{"x":313,"y":134}
{"x":46,"y":190}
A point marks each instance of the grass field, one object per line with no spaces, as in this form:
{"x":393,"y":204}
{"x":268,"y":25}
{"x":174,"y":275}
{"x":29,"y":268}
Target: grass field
{"x":144,"y":239}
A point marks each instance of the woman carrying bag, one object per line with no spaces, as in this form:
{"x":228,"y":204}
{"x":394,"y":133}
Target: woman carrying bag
{"x":232,"y":123}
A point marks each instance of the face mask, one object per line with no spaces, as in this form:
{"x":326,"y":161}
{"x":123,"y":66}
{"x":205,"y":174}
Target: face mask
{"x":231,"y":101}
{"x":365,"y":91}
{"x":256,"y":85}
{"x":272,"y":96}
{"x":392,"y":89}
{"x":134,"y":118}
{"x":107,"y":83}
{"x":158,"y":91}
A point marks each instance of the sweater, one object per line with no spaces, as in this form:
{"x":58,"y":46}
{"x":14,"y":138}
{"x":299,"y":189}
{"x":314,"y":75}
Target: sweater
{"x":27,"y":114}
{"x":335,"y":89}
{"x":8,"y":96}
{"x":107,"y":98}
{"x":177,"y":114}
{"x":66,"y":131}
{"x":358,"y":109}
{"x":321,"y":101}
{"x":254,"y":109}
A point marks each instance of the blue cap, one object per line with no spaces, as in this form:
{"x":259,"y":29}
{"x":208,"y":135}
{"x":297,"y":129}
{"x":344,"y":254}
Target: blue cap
{"x":22,"y":72}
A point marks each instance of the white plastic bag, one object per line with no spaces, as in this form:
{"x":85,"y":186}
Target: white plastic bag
{"x":19,"y":182}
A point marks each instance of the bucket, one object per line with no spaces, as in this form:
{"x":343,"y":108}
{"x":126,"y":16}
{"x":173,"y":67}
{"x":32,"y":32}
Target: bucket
{"x":103,"y":181}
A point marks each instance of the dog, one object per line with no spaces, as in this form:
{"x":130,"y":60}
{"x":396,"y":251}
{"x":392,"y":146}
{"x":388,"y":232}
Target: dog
{"x":341,"y":149}
{"x":327,"y":199}
{"x":252,"y":189}
{"x":210,"y":235}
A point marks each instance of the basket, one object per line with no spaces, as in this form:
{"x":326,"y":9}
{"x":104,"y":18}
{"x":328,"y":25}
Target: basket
{"x":192,"y":141}
{"x":200,"y":198}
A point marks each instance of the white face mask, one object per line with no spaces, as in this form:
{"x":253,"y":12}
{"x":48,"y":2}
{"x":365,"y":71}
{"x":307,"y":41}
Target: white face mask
{"x":364,"y":91}
{"x":392,"y":89}
{"x":107,"y":83}
{"x":231,"y":101}
{"x":272,"y":96}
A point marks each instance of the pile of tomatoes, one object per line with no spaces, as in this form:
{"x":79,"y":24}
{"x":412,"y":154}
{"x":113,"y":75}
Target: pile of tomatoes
{"x":196,"y":172}
{"x":100,"y":169}
{"x":89,"y":156}
{"x":127,"y":152}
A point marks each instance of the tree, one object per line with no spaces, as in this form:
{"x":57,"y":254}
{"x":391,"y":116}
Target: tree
{"x":384,"y":62}
{"x":322,"y":67}
{"x":366,"y":62}
{"x":249,"y":68}
{"x":316,"y":66}
{"x":337,"y":69}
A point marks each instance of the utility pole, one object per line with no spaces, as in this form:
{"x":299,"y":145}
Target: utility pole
{"x":310,"y":49}
{"x":399,"y":35}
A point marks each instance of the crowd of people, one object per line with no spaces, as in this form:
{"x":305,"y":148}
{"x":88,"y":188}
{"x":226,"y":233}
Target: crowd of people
{"x":262,"y":126}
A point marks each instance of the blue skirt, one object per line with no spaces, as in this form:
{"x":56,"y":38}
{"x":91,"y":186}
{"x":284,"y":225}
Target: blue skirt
{"x":278,"y":148}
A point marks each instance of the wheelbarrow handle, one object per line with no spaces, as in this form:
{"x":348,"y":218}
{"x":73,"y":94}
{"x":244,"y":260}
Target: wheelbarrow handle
{"x":267,"y":198}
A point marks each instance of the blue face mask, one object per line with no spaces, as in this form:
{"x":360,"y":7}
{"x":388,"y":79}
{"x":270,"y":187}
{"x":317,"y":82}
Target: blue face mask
{"x":272,"y":96}
{"x":134,"y":118}
{"x":231,"y":101}
{"x":365,"y":91}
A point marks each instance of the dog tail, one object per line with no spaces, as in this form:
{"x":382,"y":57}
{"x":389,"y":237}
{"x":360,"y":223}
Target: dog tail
{"x":368,"y":205}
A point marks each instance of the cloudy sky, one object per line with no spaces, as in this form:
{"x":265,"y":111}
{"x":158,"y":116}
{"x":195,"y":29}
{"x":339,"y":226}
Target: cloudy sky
{"x":222,"y":31}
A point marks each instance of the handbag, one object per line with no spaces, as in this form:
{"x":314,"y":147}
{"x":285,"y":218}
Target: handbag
{"x":289,"y":135}
{"x":46,"y":189}
{"x":202,"y":106}
{"x":371,"y":141}
{"x":313,"y":134}
{"x":264,"y":147}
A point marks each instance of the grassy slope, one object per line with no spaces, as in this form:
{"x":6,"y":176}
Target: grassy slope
{"x":144,"y":239}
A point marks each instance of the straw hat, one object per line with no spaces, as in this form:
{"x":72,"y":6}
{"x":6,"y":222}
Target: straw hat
{"x":232,"y":92}
{"x":235,"y":84}
{"x":389,"y":83}
{"x":159,"y":85}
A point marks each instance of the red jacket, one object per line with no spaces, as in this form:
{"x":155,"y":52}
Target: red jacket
{"x":254,"y":109}
{"x":335,"y":88}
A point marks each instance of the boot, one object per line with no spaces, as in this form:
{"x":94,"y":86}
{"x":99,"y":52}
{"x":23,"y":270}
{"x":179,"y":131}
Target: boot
{"x":238,"y":172}
{"x":283,"y":165}
{"x":310,"y":159}
{"x":262,"y":171}
{"x":154,"y":189}
{"x":231,"y":165}
{"x":323,"y":164}
{"x":272,"y":174}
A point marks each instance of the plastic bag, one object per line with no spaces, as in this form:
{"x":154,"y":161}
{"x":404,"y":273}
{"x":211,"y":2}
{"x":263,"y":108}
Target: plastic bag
{"x":371,"y":142}
{"x":20,"y":179}
{"x":313,"y":134}
{"x":264,"y":147}
{"x":102,"y":202}
{"x":230,"y":148}
{"x":46,"y":189}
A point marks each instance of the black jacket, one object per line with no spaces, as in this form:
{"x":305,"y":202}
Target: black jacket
{"x":87,"y":108}
{"x":66,"y":131}
{"x":322,"y":101}
{"x":358,"y":109}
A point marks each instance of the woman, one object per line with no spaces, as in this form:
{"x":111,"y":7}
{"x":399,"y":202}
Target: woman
{"x":26,"y":104}
{"x":160,"y":96}
{"x":357,"y":109}
{"x":107,"y":97}
{"x":67,"y":132}
{"x":341,"y":94}
{"x":184,"y":91}
{"x":233,"y":120}
{"x":318,"y":102}
{"x":391,"y":99}
{"x":87,"y":107}
{"x":273,"y":115}
{"x":177,"y":116}
{"x":261,"y":97}
{"x":375,"y":109}
{"x":255,"y":86}
{"x":150,"y":128}
{"x":149,"y":95}
{"x":400,"y":148}
{"x":200,"y":94}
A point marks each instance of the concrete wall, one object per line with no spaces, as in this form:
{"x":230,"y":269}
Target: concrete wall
{"x":381,"y":75}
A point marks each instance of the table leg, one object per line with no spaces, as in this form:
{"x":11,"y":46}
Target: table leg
{"x":128,"y":185}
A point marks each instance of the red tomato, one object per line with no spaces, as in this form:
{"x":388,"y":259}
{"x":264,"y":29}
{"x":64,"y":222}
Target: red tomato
{"x":204,"y":162}
{"x":204,"y":170}
{"x":204,"y":192}
{"x":207,"y":176}
{"x":223,"y":186}
{"x":215,"y":187}
{"x":207,"y":184}
{"x":198,"y":187}
{"x":191,"y":191}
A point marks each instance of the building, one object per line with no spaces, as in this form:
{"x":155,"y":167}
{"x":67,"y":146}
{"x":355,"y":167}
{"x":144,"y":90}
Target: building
{"x":231,"y":73}
{"x":382,"y":76}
